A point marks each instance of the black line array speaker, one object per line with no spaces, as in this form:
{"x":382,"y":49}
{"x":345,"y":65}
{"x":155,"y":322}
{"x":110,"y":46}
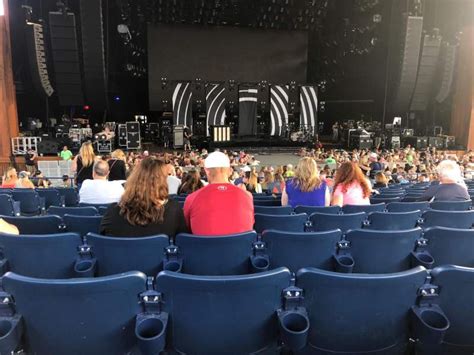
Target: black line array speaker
{"x":133,"y":135}
{"x":37,"y":58}
{"x":410,"y":55}
{"x":48,"y":147}
{"x":66,"y":58}
{"x":449,"y":54}
{"x":93,"y":53}
{"x":426,"y":73}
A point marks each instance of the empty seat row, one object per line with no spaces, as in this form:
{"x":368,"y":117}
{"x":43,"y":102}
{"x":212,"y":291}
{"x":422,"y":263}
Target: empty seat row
{"x":324,"y":312}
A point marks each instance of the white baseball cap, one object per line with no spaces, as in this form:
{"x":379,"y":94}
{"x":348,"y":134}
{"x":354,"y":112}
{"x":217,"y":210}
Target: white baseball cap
{"x":217,"y":160}
{"x":246,"y":168}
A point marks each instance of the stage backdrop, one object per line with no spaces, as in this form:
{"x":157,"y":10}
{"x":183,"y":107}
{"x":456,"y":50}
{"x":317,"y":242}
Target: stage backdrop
{"x":185,"y":52}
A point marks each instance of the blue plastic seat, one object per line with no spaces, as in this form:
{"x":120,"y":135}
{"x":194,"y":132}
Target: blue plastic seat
{"x":385,"y":199}
{"x":456,"y":290}
{"x":292,"y":223}
{"x":51,"y":197}
{"x":101,"y":208}
{"x":279,"y":210}
{"x":30,"y":202}
{"x":117,"y":255}
{"x":379,"y":207}
{"x":450,"y":219}
{"x":45,"y":256}
{"x":79,"y":316}
{"x":222,"y":314}
{"x":216,"y":255}
{"x":82,"y":224}
{"x":326,"y":222}
{"x":9,"y":207}
{"x":71,"y":197}
{"x":75,"y":211}
{"x":322,"y":209}
{"x":393,"y":220}
{"x":450,"y":246}
{"x":380,"y":252}
{"x":451,"y":205}
{"x":407,"y":206}
{"x":262,"y":202}
{"x":37,"y":225}
{"x":298,"y":250}
{"x":5,"y":191}
{"x":359,"y":314}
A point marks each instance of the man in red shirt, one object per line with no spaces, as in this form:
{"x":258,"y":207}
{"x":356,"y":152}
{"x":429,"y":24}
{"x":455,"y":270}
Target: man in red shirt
{"x":219,"y":208}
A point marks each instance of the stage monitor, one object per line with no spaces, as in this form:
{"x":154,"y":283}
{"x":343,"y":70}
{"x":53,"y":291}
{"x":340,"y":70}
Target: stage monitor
{"x":216,"y":54}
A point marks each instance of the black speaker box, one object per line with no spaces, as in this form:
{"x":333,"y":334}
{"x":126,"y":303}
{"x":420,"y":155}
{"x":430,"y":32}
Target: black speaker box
{"x":48,"y":147}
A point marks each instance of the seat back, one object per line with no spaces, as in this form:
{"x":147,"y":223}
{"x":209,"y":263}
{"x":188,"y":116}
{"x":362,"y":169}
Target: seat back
{"x":322,"y":209}
{"x":278,"y":210}
{"x":379,"y":207}
{"x":45,"y":256}
{"x":37,"y":224}
{"x":117,"y":255}
{"x":451,"y":205}
{"x":292,"y":223}
{"x":393,"y":220}
{"x":6,"y":205}
{"x":385,"y":199}
{"x":222,"y":255}
{"x":218,"y":314}
{"x":451,"y":246}
{"x":87,"y":316}
{"x":456,"y":290}
{"x":51,"y":197}
{"x":74,"y":211}
{"x":298,"y":250}
{"x":378,"y":252}
{"x":450,"y":219}
{"x":350,"y":313}
{"x":407,"y":206}
{"x":325,"y":222}
{"x":265,"y":202}
{"x":71,"y":197}
{"x":30,"y":203}
{"x":82,"y":224}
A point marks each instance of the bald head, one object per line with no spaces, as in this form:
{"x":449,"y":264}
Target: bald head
{"x":101,"y":170}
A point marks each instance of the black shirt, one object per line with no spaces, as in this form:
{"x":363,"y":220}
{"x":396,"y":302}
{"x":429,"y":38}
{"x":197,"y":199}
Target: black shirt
{"x":118,"y":170}
{"x":445,"y":192}
{"x":29,"y":159}
{"x":83,"y":172}
{"x":114,"y":225}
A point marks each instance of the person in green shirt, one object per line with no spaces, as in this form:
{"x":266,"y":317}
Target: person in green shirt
{"x":65,"y":153}
{"x":330,"y":160}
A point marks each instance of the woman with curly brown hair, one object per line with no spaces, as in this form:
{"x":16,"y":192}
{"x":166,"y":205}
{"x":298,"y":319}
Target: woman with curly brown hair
{"x":144,"y":208}
{"x":351,"y":186}
{"x":192,"y":182}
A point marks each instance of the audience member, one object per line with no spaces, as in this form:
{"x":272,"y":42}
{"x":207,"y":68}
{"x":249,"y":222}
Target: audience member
{"x":351,"y":187}
{"x":24,"y":181}
{"x":306,"y":188}
{"x":65,"y":154}
{"x":220,"y":207}
{"x":117,"y":166}
{"x":9,"y":179}
{"x":83,"y":163}
{"x":30,"y":161}
{"x":380,"y":180}
{"x":251,"y":183}
{"x":173,"y":182}
{"x":100,"y":191}
{"x":191,"y":183}
{"x":451,"y":186}
{"x":7,"y":228}
{"x":144,"y":208}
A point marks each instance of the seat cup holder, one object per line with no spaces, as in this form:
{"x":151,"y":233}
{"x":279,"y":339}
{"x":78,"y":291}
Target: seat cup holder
{"x":260,"y":263}
{"x":429,"y":324}
{"x":150,"y":331}
{"x":173,"y":265}
{"x":85,"y":267}
{"x":344,"y":263}
{"x":294,"y":328}
{"x":423,"y":258}
{"x":11,"y":329}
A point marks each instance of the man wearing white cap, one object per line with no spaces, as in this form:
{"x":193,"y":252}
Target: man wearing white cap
{"x":219,"y":208}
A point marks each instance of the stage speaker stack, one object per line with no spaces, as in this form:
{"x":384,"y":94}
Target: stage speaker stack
{"x":133,"y":135}
{"x":178,"y":136}
{"x":67,"y":72}
{"x":395,"y":142}
{"x":449,"y":54}
{"x":436,"y":142}
{"x":48,"y":147}
{"x":416,"y":142}
{"x":122,"y":135}
{"x":93,"y":57}
{"x":37,"y":59}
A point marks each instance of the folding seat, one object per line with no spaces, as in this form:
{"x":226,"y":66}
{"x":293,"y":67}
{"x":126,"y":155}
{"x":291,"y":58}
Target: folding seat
{"x":359,"y":314}
{"x":117,"y":255}
{"x":51,"y":197}
{"x":103,"y":209}
{"x":450,"y":219}
{"x":46,"y":256}
{"x":98,"y":207}
{"x":322,"y":209}
{"x":450,"y":246}
{"x":291,"y":223}
{"x":37,"y":225}
{"x":390,"y":193}
{"x":5,"y":191}
{"x":71,"y":197}
{"x":272,"y":202}
{"x":298,"y":250}
{"x":9,"y":207}
{"x":393,"y":220}
{"x":213,"y":255}
{"x":96,"y":316}
{"x":30,"y":202}
{"x":408,"y":206}
{"x":82,"y":224}
{"x":381,"y":252}
{"x":379,"y":207}
{"x":451,"y":205}
{"x":75,"y":211}
{"x":180,"y":203}
{"x":385,"y":199}
{"x":325,"y":222}
{"x":232,"y":314}
{"x":410,"y":198}
{"x":278,"y":210}
{"x":263,"y":197}
{"x":455,"y":294}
